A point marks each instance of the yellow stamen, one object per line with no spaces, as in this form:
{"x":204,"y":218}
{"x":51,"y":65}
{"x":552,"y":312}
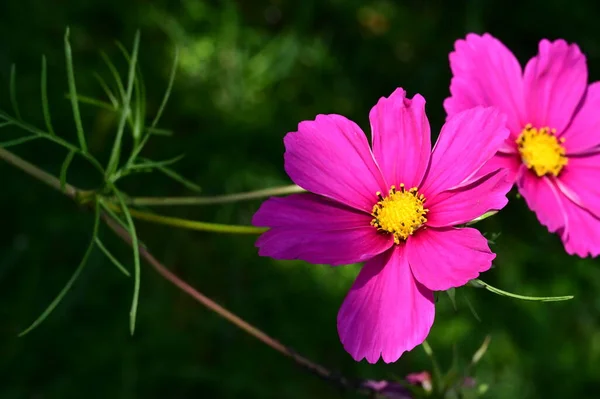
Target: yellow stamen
{"x":541,"y":150}
{"x":400,"y":213}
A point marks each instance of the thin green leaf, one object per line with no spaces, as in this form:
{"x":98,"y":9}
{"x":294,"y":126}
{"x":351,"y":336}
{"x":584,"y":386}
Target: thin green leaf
{"x":452,"y":295}
{"x":521,"y":297}
{"x":4,"y":124}
{"x":112,"y":258}
{"x":138,"y":116}
{"x":107,"y":91}
{"x":113,"y":214}
{"x":13,"y":91}
{"x":44,"y":91}
{"x":116,"y":151}
{"x":482,"y":217}
{"x":472,"y":308}
{"x":64,"y":168}
{"x":71,"y":281}
{"x":159,"y":132}
{"x":136,"y":258}
{"x":73,"y":94}
{"x":157,"y":164}
{"x":93,"y":101}
{"x":481,"y":351}
{"x":180,"y":179}
{"x":115,"y":74}
{"x":168,"y":91}
{"x":20,"y":140}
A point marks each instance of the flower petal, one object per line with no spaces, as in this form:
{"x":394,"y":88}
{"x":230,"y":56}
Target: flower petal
{"x":441,"y":259}
{"x":467,"y":141}
{"x":401,"y":138}
{"x":317,"y":230}
{"x":579,"y":181}
{"x":454,"y":207}
{"x":581,"y":236}
{"x":486,"y":73}
{"x":330,"y":156}
{"x":543,"y":198}
{"x":510,"y":162}
{"x":584,"y":132}
{"x":387,"y":312}
{"x":554,"y":83}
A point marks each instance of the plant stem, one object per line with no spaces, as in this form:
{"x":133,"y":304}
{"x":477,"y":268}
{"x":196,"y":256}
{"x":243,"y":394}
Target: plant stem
{"x":189,"y":224}
{"x":219,"y":199}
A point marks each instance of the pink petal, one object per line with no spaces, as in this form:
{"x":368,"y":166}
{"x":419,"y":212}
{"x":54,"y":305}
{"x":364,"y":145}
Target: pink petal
{"x":401,"y":138}
{"x":317,"y":230}
{"x":510,"y":162}
{"x":331,"y":156}
{"x":467,"y":141}
{"x":554,"y":83}
{"x":579,"y":181}
{"x":542,"y":197}
{"x":581,"y":235}
{"x":584,"y":132}
{"x":454,"y":207}
{"x":486,"y":73}
{"x":387,"y":312}
{"x":441,"y":259}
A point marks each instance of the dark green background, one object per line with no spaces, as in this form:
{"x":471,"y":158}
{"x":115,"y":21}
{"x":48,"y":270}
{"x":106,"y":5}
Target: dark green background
{"x":249,"y":72}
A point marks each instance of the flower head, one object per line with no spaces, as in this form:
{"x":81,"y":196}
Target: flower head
{"x":394,"y":207}
{"x":553,"y":151}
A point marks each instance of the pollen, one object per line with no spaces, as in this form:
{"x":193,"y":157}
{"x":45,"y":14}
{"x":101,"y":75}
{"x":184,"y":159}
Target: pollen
{"x":541,"y":151}
{"x":400,"y":213}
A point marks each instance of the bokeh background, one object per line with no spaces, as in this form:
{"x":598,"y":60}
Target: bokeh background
{"x":249,"y":71}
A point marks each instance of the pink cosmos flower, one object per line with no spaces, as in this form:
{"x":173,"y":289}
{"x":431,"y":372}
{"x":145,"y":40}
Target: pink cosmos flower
{"x":395,"y":207}
{"x":553,"y":150}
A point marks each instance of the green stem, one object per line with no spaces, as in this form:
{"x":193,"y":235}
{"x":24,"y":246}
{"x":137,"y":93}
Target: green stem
{"x":522,"y":297}
{"x":190,"y":224}
{"x":219,"y":199}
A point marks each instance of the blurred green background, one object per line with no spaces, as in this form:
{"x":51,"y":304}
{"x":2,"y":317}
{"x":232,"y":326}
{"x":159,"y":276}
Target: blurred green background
{"x":249,"y":71}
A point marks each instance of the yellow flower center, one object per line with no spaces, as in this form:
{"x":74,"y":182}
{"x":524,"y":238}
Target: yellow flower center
{"x":541,"y":150}
{"x":400,"y":213}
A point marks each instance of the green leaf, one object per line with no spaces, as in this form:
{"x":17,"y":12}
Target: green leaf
{"x":113,"y":163}
{"x":165,"y":99}
{"x":93,"y":101}
{"x":13,"y":91}
{"x":44,"y":90}
{"x":521,"y":297}
{"x":112,"y":258}
{"x":452,"y":295}
{"x":190,"y":185}
{"x":136,"y":258}
{"x":158,"y":164}
{"x":115,"y":74}
{"x":71,"y":281}
{"x":482,"y":217}
{"x":107,"y":91}
{"x":159,"y":132}
{"x":64,"y":168}
{"x":481,"y":351}
{"x":472,"y":308}
{"x":113,"y":214}
{"x":20,"y":140}
{"x":73,"y":94}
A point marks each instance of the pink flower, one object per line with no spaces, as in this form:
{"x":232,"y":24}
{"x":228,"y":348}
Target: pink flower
{"x":394,"y":207}
{"x":553,"y":150}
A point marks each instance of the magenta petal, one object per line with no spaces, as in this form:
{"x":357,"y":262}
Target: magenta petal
{"x":581,"y":236}
{"x":542,"y":197}
{"x":401,"y":138}
{"x":584,"y":132}
{"x":454,"y":207}
{"x":331,"y":156}
{"x":510,"y":162}
{"x":317,"y":230}
{"x":467,"y":141}
{"x":554,"y":83}
{"x":579,"y":181}
{"x":441,"y":259}
{"x":387,"y":312}
{"x":486,"y":73}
